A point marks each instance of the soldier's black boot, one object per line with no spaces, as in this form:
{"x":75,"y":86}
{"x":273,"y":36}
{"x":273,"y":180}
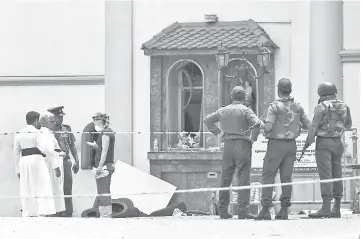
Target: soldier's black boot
{"x":244,"y":213}
{"x":324,"y":212}
{"x":224,"y":214}
{"x":264,"y":214}
{"x":336,"y":209}
{"x":282,"y":214}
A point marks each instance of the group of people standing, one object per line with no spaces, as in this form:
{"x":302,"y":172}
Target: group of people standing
{"x":42,"y":152}
{"x":43,"y":164}
{"x":285,"y":119}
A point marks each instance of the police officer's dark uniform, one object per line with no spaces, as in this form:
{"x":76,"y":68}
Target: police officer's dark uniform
{"x":89,"y":135}
{"x":66,"y":142}
{"x":331,"y":118}
{"x":285,"y":117}
{"x":235,"y":120}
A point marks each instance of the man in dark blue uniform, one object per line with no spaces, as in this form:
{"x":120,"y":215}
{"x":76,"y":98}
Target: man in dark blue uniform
{"x":89,"y":135}
{"x":66,"y":142}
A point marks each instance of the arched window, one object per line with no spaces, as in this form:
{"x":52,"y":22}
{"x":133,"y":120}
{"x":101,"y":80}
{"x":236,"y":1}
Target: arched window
{"x":185,"y":86}
{"x":236,"y":74}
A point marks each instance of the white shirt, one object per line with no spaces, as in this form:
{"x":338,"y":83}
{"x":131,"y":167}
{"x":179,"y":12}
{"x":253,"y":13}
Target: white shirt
{"x":48,"y":142}
{"x":26,"y":138}
{"x":31,"y":137}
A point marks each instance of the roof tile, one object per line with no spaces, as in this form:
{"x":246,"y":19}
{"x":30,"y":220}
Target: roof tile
{"x":201,"y":35}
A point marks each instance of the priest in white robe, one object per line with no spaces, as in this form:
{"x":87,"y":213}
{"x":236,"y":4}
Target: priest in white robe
{"x":32,"y":170}
{"x":53,"y":161}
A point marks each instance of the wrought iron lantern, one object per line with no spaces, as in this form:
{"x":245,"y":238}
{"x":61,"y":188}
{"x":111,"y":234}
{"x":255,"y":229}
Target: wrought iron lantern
{"x":263,"y":56}
{"x":222,"y":57}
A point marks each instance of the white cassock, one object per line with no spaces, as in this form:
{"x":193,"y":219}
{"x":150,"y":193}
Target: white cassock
{"x":34,"y":175}
{"x":53,"y":161}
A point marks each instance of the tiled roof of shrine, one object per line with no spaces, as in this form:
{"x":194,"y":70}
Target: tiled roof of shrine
{"x":242,"y":34}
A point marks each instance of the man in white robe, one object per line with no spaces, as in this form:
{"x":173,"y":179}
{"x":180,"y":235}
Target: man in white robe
{"x":32,"y":170}
{"x":54,"y":161}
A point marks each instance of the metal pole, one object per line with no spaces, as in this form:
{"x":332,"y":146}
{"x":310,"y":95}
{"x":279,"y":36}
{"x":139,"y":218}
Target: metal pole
{"x":313,"y":189}
{"x":219,"y":100}
{"x":343,"y":175}
{"x":257,"y":97}
{"x":355,"y":172}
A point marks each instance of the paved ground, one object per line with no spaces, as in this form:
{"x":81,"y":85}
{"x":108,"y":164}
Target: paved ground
{"x":347,"y":227}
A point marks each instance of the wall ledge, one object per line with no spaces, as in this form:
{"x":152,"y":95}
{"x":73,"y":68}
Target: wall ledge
{"x":350,"y":55}
{"x":52,"y":80}
{"x":184,"y":155}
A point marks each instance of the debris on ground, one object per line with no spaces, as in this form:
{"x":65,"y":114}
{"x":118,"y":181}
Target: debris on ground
{"x":211,"y":227}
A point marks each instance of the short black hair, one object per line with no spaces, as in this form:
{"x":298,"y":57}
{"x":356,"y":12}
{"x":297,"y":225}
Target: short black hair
{"x":31,"y":117}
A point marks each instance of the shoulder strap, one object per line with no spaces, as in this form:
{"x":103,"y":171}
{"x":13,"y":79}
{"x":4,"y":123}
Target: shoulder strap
{"x":276,"y":105}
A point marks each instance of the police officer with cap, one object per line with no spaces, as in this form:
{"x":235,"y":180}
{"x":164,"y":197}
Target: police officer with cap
{"x":66,"y":142}
{"x":283,"y":123}
{"x":331,"y":117}
{"x":236,"y":119}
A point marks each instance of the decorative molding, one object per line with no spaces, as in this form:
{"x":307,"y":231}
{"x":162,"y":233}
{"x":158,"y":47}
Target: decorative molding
{"x":208,"y":51}
{"x":350,"y":55}
{"x":51,"y":80}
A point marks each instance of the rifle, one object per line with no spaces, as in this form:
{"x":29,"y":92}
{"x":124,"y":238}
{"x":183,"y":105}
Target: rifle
{"x":256,"y":124}
{"x":303,"y":151}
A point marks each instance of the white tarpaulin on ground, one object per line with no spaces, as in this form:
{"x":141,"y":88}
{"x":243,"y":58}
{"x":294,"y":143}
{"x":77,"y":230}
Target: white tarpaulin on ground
{"x":127,"y":180}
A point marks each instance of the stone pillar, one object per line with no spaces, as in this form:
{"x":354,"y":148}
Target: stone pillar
{"x":118,"y":74}
{"x":326,"y":42}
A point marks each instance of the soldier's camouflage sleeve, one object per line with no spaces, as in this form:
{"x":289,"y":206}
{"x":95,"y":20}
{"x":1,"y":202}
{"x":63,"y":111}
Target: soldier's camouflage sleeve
{"x":253,"y":120}
{"x":305,"y":121}
{"x":270,"y":119}
{"x":348,"y":122}
{"x":317,"y":118}
{"x":211,"y":120}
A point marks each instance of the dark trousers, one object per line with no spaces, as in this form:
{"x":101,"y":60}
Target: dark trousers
{"x":68,"y":185}
{"x":103,"y":187}
{"x":236,"y":154}
{"x":281,"y":154}
{"x":328,"y":159}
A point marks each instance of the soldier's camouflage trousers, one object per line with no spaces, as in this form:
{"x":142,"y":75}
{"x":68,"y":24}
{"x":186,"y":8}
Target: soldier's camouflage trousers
{"x":328,"y":158}
{"x":281,"y":154}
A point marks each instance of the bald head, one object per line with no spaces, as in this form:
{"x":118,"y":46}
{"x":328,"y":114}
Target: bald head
{"x":238,"y":93}
{"x":47,"y":120}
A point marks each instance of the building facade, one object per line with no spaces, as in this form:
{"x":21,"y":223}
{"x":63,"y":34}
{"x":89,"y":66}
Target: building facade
{"x":87,"y":56}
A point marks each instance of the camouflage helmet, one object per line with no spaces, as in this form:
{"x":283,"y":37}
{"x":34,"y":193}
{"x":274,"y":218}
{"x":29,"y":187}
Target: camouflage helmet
{"x":326,"y":88}
{"x":238,"y":93}
{"x":285,"y":85}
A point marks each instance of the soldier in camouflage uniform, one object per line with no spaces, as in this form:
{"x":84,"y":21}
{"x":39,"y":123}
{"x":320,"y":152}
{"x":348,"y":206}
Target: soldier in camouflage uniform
{"x":283,"y":124}
{"x":331,"y":118}
{"x":66,"y":142}
{"x":235,"y":119}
